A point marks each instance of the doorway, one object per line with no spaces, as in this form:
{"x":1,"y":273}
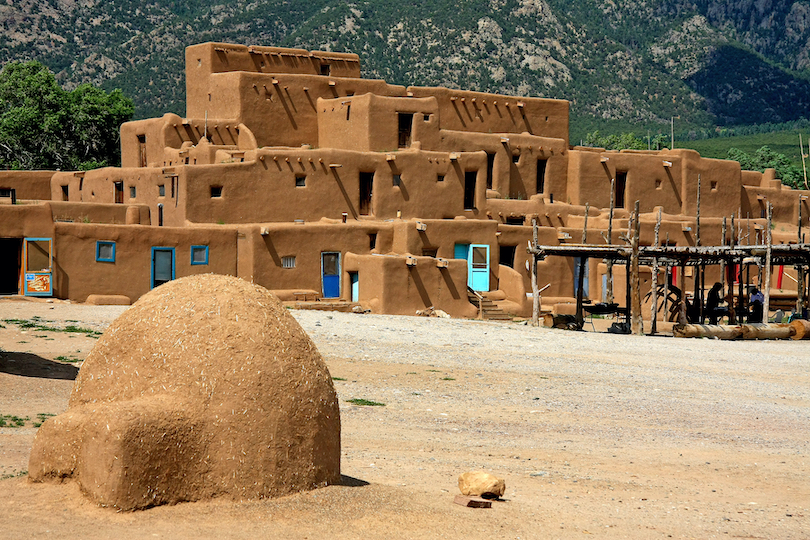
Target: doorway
{"x":366,"y":186}
{"x":330,"y":274}
{"x":11,"y":252}
{"x":163,"y":269}
{"x":38,"y":267}
{"x":477,"y":257}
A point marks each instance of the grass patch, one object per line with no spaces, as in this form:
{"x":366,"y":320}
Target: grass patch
{"x":434,"y":370}
{"x":338,"y":379}
{"x":365,"y":402}
{"x":448,"y":379}
{"x":9,"y":420}
{"x":69,"y":359}
{"x":41,"y":417}
{"x":7,"y":476}
{"x":411,"y":373}
{"x":36,"y":324}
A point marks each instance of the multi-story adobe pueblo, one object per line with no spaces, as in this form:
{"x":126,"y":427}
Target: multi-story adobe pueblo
{"x":292,"y":171}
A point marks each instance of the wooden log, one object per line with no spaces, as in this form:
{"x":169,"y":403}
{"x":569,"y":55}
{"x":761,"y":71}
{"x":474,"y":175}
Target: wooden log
{"x":636,"y":323}
{"x":719,"y":331}
{"x":801,"y":329}
{"x":767,"y":331}
{"x":535,"y":291}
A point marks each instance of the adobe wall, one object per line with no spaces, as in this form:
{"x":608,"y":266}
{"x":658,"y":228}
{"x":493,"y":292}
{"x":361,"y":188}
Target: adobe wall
{"x":388,"y":285}
{"x":370,"y":123}
{"x":77,"y":273}
{"x":494,"y":113}
{"x":26,"y":220}
{"x":264,"y":187}
{"x":306,"y":242}
{"x":515,"y":162}
{"x":78,"y":212}
{"x":720,"y":182}
{"x":31,"y":185}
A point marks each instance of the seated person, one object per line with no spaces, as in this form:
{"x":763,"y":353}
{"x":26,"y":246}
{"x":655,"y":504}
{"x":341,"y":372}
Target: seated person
{"x":713,"y":309}
{"x":755,"y":305}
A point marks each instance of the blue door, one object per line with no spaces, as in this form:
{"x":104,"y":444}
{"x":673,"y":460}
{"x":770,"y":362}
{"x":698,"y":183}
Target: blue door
{"x":162,"y":265}
{"x":330,"y":272}
{"x":478,"y":267}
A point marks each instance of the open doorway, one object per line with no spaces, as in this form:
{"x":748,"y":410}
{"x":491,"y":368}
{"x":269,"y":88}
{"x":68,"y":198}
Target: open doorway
{"x":11,"y":253}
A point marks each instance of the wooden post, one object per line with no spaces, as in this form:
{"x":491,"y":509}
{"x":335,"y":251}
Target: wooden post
{"x":535,"y":292}
{"x":699,"y":269}
{"x":800,"y":267}
{"x":654,"y":291}
{"x":667,"y":278}
{"x":636,"y":322}
{"x":723,"y":262}
{"x":767,"y":288}
{"x":682,"y":285}
{"x":580,"y":318}
{"x":609,"y":292}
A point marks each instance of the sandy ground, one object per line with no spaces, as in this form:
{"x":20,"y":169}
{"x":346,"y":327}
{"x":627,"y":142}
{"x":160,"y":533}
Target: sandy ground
{"x":596,"y":435}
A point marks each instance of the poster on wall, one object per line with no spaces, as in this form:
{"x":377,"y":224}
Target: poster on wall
{"x":38,"y":284}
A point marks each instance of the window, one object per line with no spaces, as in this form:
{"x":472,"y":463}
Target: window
{"x":507,"y":256}
{"x":515,"y":158}
{"x":161,"y":190}
{"x":397,"y":180}
{"x":288,"y":261}
{"x":132,"y":192}
{"x":372,"y":240}
{"x":216,"y":192}
{"x":541,"y":176}
{"x":515,"y":220}
{"x":199,"y":255}
{"x":142,"y":150}
{"x":300,"y":180}
{"x":105,"y":251}
{"x":65,"y":193}
{"x":657,"y":183}
{"x":430,"y":251}
{"x":325,"y":69}
{"x":440,"y":178}
{"x":426,"y":117}
{"x":714,"y":186}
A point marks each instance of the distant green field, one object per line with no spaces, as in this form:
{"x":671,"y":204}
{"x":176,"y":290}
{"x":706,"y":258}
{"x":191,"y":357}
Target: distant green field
{"x":783,"y":142}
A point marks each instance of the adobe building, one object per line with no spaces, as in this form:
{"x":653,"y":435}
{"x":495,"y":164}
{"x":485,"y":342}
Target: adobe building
{"x":294,"y":172}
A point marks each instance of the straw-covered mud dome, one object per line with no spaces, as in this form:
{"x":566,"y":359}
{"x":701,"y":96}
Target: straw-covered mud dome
{"x":206,"y":387}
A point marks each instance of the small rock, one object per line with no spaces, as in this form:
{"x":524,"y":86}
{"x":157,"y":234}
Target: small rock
{"x":481,"y":484}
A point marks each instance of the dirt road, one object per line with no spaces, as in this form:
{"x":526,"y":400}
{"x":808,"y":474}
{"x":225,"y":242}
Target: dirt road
{"x":595,"y":434}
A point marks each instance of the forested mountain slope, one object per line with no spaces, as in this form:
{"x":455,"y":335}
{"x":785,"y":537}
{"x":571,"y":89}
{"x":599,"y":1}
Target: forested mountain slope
{"x":634,"y":62}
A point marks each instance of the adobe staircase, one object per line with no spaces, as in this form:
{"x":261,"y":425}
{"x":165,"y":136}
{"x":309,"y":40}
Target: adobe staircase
{"x":486,"y":307}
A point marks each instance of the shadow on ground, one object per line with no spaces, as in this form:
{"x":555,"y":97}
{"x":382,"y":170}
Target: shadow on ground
{"x":31,"y":365}
{"x":348,"y":481}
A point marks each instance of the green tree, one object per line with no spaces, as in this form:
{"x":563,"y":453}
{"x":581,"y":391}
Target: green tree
{"x":765,"y":158}
{"x":43,"y":126}
{"x":615,"y":142}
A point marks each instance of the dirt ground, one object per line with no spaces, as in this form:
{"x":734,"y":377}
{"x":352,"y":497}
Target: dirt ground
{"x":596,"y":435}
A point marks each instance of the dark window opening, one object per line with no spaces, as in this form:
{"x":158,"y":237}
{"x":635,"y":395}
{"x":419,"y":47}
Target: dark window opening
{"x":173,"y":180}
{"x":657,"y":183}
{"x":469,"y":190}
{"x":541,"y":175}
{"x":65,"y":193}
{"x":440,"y":178}
{"x":621,"y":186}
{"x":714,"y":186}
{"x":11,"y":248}
{"x":216,"y":191}
{"x":119,"y":192}
{"x":426,"y":117}
{"x":161,"y":190}
{"x":160,"y":215}
{"x":430,"y":252}
{"x":490,"y":167}
{"x":366,"y":186}
{"x":348,"y":111}
{"x":372,"y":240}
{"x":132,"y":192}
{"x":515,"y":158}
{"x":397,"y":180}
{"x":507,"y":257}
{"x":405,"y":127}
{"x":326,"y":69}
{"x":300,"y":180}
{"x":142,"y":150}
{"x":515,"y":220}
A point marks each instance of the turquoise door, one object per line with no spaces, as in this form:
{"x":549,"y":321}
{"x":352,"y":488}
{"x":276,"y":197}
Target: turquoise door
{"x":162,"y":265}
{"x":330,"y":272}
{"x":477,"y":257}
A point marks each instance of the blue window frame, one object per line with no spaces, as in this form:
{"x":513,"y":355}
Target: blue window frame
{"x":199,"y":255}
{"x":105,"y":251}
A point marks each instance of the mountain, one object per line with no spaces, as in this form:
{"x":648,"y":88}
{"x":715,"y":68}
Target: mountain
{"x":629,"y":63}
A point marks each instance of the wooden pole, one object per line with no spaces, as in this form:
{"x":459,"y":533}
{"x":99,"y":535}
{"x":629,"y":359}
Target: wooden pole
{"x":667,"y":277}
{"x":580,"y":317}
{"x":654,"y":307}
{"x":535,"y":292}
{"x":637,"y":324}
{"x":800,"y":267}
{"x":767,"y":291}
{"x":804,"y":168}
{"x":699,"y":269}
{"x":723,"y":262}
{"x":682,"y":285}
{"x":609,"y":292}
